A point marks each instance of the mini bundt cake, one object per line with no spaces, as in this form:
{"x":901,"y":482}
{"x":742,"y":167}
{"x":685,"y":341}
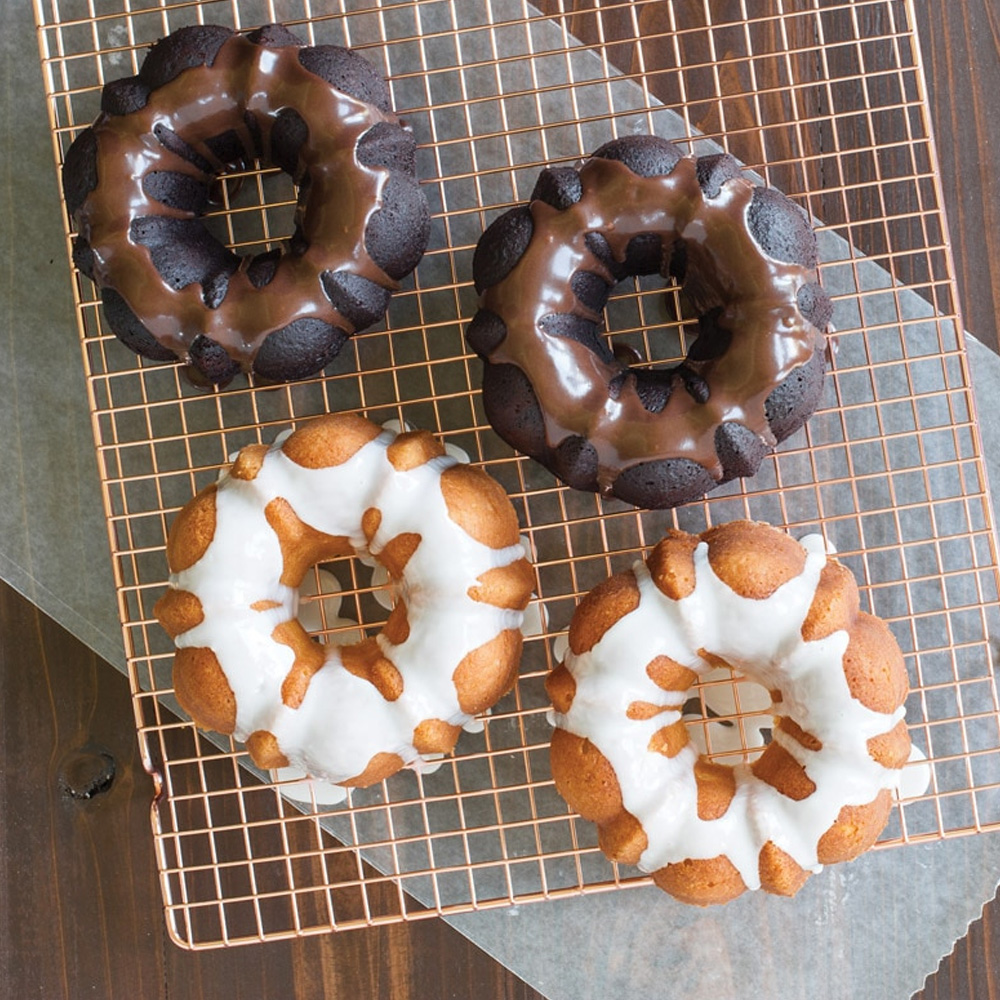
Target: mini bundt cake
{"x":782,"y":614}
{"x":350,"y":714}
{"x":652,"y":436}
{"x":206,"y":100}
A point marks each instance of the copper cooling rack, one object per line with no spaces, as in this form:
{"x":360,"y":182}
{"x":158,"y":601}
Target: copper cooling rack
{"x":823,"y":100}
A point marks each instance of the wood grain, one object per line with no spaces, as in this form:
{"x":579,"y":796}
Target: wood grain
{"x":81,"y":911}
{"x":972,"y":970}
{"x":961,"y":50}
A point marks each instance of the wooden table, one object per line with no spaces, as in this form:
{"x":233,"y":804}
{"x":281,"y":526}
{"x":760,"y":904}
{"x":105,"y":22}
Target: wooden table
{"x":81,"y":913}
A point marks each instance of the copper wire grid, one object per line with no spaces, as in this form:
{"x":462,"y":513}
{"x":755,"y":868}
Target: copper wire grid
{"x":824,"y":100}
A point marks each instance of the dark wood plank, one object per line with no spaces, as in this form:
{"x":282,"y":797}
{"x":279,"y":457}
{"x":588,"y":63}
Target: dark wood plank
{"x":81,"y":912}
{"x":972,"y":970}
{"x":961,"y":50}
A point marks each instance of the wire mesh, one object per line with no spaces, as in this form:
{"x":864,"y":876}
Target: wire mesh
{"x":823,"y":100}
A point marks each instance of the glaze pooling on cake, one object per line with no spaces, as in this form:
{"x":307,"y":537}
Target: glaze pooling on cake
{"x":655,"y":437}
{"x":206,"y":99}
{"x":355,"y":713}
{"x":705,"y":830}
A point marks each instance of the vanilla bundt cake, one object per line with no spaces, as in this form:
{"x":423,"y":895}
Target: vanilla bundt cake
{"x":780,"y":613}
{"x":339,"y":485}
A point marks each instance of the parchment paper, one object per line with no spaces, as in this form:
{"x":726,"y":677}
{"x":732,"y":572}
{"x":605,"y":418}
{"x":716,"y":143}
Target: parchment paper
{"x":874,"y":928}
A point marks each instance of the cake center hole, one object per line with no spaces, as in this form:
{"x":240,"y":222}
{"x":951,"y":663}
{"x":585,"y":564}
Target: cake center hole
{"x":648,"y":324}
{"x":252,"y":209}
{"x":729,"y":717}
{"x":345,"y":601}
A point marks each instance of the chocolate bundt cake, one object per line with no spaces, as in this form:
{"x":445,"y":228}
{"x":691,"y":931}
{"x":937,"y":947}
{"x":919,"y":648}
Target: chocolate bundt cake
{"x":206,"y":100}
{"x":783,"y":614}
{"x":651,"y":436}
{"x":352,"y":713}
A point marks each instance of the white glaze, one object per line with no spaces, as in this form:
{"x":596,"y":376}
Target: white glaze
{"x":343,"y":720}
{"x":762,"y":640}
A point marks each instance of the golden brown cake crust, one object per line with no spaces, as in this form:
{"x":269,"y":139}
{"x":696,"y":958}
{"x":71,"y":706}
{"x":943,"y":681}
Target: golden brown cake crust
{"x":716,"y":788}
{"x":364,"y":659}
{"x":753,"y":563}
{"x":479,"y":506}
{"x":782,"y":771}
{"x":779,"y":872}
{"x":560,"y":686}
{"x":600,"y":609}
{"x":435,"y":736}
{"x":330,"y":440}
{"x":585,"y":778}
{"x":855,"y":830}
{"x":671,"y":564}
{"x":835,"y":605}
{"x":380,"y":767}
{"x":301,"y":545}
{"x":701,"y":881}
{"x":874,"y":665}
{"x":412,"y":449}
{"x":308,"y":659}
{"x":505,"y":586}
{"x":670,"y":740}
{"x":192,"y":531}
{"x":202,"y":689}
{"x":263,"y":748}
{"x":670,"y":675}
{"x":486,"y":674}
{"x":248,"y":462}
{"x":177,"y":611}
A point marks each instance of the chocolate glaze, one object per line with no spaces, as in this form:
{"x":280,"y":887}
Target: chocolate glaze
{"x":219,"y":110}
{"x":753,"y":331}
